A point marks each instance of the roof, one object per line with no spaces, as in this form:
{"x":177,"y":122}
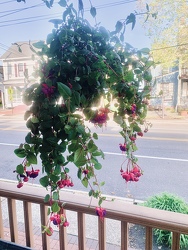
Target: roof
{"x":14,"y":50}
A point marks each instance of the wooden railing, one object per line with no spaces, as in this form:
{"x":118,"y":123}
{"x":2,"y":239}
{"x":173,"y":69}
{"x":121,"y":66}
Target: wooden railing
{"x":119,"y":210}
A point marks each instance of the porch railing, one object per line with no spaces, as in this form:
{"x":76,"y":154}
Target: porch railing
{"x":119,"y":210}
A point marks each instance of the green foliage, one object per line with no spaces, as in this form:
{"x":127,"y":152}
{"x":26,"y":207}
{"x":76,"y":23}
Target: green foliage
{"x":169,"y":202}
{"x":168,"y":32}
{"x":79,"y":65}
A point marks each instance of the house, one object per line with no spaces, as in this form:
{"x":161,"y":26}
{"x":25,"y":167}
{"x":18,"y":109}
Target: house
{"x":19,"y":63}
{"x":170,"y":88}
{"x":1,"y":86}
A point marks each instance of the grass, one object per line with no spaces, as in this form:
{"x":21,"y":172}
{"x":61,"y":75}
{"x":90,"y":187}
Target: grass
{"x":169,"y":202}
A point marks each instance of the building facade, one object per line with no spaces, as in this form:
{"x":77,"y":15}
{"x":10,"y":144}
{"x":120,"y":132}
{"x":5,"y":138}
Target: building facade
{"x":170,"y":88}
{"x":19,"y":63}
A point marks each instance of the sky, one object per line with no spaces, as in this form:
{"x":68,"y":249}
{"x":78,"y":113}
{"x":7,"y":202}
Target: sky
{"x":30,"y":21}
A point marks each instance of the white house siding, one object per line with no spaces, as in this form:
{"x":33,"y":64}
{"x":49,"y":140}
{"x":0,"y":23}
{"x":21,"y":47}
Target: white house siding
{"x":18,"y":70}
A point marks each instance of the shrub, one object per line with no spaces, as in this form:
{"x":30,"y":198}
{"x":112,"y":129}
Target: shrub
{"x":169,"y":202}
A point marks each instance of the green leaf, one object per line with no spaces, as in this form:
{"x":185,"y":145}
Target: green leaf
{"x":32,"y":159}
{"x":118,"y":119}
{"x":79,"y":173}
{"x":93,"y":12}
{"x":97,"y":166}
{"x":49,"y":38}
{"x":39,"y":44}
{"x":102,"y":183}
{"x":55,"y":207}
{"x":95,"y":136}
{"x":76,"y":97}
{"x":60,"y":159}
{"x":20,"y":169}
{"x":131,"y":19}
{"x":85,"y":182}
{"x":62,"y":3}
{"x":145,"y":51}
{"x":80,"y":129}
{"x":56,"y":22}
{"x":122,"y":37}
{"x":147,"y":7}
{"x":91,"y":192}
{"x":66,"y":170}
{"x":79,"y":157}
{"x":52,"y":140}
{"x":57,"y":170}
{"x":54,"y":178}
{"x":27,"y":147}
{"x":119,"y":26}
{"x":64,"y":90}
{"x":20,"y":152}
{"x":91,"y":146}
{"x":44,"y":181}
{"x":137,"y":71}
{"x":55,"y":196}
{"x":77,"y":79}
{"x":47,"y":198}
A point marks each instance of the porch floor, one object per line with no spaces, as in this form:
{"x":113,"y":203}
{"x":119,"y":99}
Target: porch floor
{"x":91,"y":244}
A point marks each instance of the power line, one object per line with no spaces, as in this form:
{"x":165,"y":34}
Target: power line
{"x":97,"y":7}
{"x":26,"y":18}
{"x":19,"y":10}
{"x":8,"y":2}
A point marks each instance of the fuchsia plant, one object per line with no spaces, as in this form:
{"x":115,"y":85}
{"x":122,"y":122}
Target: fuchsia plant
{"x":79,"y":65}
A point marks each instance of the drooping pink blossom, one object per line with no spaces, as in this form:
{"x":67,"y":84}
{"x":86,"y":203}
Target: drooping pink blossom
{"x":101,"y":212}
{"x":47,"y":90}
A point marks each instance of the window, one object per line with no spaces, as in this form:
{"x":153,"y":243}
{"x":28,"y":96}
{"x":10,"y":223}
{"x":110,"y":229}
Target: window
{"x":9,"y":70}
{"x":167,"y":89}
{"x":20,"y":69}
{"x":185,"y":89}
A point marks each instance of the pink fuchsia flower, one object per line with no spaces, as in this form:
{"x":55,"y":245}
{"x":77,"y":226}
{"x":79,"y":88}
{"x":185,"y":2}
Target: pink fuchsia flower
{"x":133,"y":108}
{"x":123,"y":147}
{"x":133,"y":138}
{"x":140,"y":133}
{"x":101,"y":212}
{"x":65,"y":183}
{"x":131,"y":175}
{"x":66,"y":224}
{"x":20,"y":184}
{"x":56,"y":219}
{"x":49,"y":231}
{"x":47,"y":90}
{"x":100,"y":117}
{"x":33,"y":173}
{"x":59,"y":219}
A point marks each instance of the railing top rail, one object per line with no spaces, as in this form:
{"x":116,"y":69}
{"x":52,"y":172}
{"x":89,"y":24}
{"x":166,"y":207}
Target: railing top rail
{"x":118,"y":210}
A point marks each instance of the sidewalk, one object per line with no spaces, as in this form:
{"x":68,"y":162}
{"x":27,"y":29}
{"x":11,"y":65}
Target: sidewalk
{"x":18,"y":110}
{"x":153,"y":115}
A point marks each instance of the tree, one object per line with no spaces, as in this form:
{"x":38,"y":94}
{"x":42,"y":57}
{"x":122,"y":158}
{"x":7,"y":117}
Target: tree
{"x":168,"y":31}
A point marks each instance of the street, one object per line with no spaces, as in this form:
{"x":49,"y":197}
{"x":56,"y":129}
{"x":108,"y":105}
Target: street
{"x":162,"y":155}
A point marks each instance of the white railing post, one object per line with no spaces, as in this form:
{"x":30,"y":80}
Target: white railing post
{"x":149,"y":238}
{"x":81,"y":231}
{"x":1,"y":220}
{"x":44,"y":220}
{"x":28,"y":224}
{"x":12,"y":220}
{"x":124,"y":235}
{"x":175,"y":241}
{"x":102,"y":233}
